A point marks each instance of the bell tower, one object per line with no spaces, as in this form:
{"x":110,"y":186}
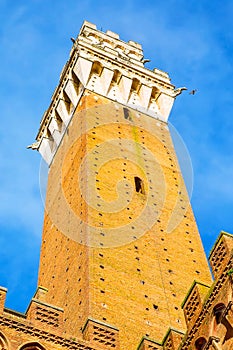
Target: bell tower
{"x":120,"y":245}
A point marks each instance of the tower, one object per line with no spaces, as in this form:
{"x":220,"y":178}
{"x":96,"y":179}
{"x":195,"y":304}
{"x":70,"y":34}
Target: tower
{"x":120,"y":245}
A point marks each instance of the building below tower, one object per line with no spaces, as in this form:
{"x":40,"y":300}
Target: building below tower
{"x":208,"y":312}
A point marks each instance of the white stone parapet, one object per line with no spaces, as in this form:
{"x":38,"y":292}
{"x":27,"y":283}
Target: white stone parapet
{"x":104,"y":64}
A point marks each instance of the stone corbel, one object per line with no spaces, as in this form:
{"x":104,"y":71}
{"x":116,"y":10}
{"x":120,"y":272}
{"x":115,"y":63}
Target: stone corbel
{"x":3,"y":292}
{"x":145,"y":94}
{"x":165,"y":103}
{"x":125,"y":84}
{"x":45,"y":149}
{"x":105,"y":80}
{"x":213,"y":343}
{"x":71,"y":92}
{"x":82,"y":70}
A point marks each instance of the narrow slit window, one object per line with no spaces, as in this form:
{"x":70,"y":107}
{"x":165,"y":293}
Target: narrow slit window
{"x":139,"y":185}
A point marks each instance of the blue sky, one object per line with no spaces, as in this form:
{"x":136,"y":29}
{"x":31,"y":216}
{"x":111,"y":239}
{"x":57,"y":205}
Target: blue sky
{"x":192,"y":40}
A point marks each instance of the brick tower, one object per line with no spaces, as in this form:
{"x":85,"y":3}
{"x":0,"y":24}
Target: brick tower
{"x":120,"y":245}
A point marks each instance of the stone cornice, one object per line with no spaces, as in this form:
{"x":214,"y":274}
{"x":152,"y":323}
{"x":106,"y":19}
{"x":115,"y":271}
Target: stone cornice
{"x":103,"y":64}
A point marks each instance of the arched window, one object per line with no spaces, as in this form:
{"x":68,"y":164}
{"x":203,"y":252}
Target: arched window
{"x":32,"y":346}
{"x":135,"y":85}
{"x":155,"y":93}
{"x":200,"y":343}
{"x":3,"y":342}
{"x":218,"y":312}
{"x":139,"y":185}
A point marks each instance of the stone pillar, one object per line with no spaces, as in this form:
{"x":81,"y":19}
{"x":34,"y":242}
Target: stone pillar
{"x":216,"y":346}
{"x":3,"y":292}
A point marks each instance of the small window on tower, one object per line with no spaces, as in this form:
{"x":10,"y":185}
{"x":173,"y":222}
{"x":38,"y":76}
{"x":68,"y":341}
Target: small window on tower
{"x":139,"y":185}
{"x":200,"y":343}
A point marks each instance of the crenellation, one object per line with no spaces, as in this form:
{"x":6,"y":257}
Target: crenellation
{"x":135,"y":44}
{"x":99,"y":39}
{"x":172,"y":339}
{"x":193,"y":303}
{"x":112,"y":34}
{"x":101,"y":335}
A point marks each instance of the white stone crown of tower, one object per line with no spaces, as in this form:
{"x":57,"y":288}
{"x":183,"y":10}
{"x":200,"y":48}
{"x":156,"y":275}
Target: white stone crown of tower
{"x":104,"y":64}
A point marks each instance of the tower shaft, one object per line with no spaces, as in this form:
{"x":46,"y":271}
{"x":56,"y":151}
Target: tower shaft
{"x":120,"y":244}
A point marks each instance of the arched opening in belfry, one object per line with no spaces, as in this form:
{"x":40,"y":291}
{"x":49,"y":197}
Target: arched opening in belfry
{"x":155,"y":93}
{"x":116,"y":77}
{"x":97,"y":68}
{"x":32,"y":346}
{"x":135,"y":85}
